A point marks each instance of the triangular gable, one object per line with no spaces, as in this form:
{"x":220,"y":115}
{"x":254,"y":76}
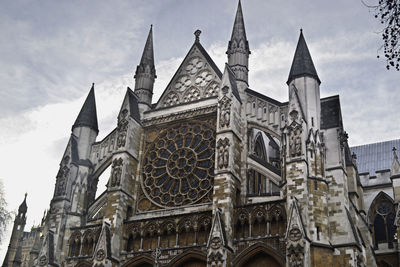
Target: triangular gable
{"x":229,"y":80}
{"x":217,"y":232}
{"x":102,"y":251}
{"x":130,"y":104}
{"x":196,"y":78}
{"x":295,"y":102}
{"x":295,"y":227}
{"x":46,"y":255}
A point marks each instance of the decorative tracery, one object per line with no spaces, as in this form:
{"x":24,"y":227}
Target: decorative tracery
{"x":179,"y":165}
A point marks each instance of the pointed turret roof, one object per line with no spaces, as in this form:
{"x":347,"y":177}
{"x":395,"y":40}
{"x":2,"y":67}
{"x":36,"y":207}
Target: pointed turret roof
{"x":88,"y":114}
{"x":302,"y":64}
{"x":238,"y":31}
{"x":148,"y":53}
{"x":23,"y":208}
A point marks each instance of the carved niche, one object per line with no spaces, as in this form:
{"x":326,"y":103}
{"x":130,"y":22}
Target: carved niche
{"x":116,"y":172}
{"x":295,"y":142}
{"x":296,"y":255}
{"x":223,"y":153}
{"x":225,"y":112}
{"x":122,"y":128}
{"x":62,"y":177}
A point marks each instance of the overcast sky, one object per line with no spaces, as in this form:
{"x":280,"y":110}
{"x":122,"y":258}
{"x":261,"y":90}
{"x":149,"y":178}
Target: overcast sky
{"x":51,"y":52}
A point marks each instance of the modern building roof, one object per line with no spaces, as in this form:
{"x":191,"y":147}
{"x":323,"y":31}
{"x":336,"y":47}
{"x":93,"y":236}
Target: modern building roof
{"x":375,"y":157}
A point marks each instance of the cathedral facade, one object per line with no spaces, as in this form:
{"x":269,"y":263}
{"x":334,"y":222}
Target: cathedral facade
{"x":216,"y":174}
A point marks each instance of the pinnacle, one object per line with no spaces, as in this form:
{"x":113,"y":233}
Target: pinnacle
{"x":88,"y":114}
{"x":239,"y":31}
{"x":302,"y":64}
{"x":148,"y":54}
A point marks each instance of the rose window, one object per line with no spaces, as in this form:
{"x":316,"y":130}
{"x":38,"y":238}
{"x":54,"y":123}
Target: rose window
{"x":203,"y":78}
{"x":179,"y":165}
{"x":183,"y":83}
{"x":194,"y":65}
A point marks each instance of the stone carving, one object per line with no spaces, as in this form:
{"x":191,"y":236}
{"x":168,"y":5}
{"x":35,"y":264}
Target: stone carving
{"x":295,"y":234}
{"x":225,"y":112}
{"x":223,"y":153}
{"x":191,"y":94}
{"x":203,"y":78}
{"x":100,"y":255}
{"x":183,"y":83}
{"x":212,"y":89}
{"x":296,"y":255}
{"x":171,"y":99}
{"x":116,"y":172}
{"x":343,"y":136}
{"x":216,"y":242}
{"x":43,"y":260}
{"x":62,"y":178}
{"x":122,"y":129}
{"x":295,"y":139}
{"x":195,"y":64}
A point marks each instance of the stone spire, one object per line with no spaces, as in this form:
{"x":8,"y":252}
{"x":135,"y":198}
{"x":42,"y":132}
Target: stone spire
{"x":88,"y":114}
{"x":302,"y":64}
{"x":395,"y":170}
{"x":146,"y":73}
{"x":23,"y":208}
{"x":238,"y":48}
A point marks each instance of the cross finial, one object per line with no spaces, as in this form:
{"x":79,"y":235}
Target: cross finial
{"x":394,"y":152}
{"x":197,"y":34}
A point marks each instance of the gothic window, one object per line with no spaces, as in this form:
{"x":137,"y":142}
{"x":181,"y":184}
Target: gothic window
{"x":259,"y":147}
{"x":75,"y":244}
{"x":260,"y":185}
{"x":381,"y":216}
{"x":178,"y":165}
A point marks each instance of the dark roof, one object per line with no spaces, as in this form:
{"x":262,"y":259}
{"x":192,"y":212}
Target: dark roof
{"x":133,"y":105}
{"x":23,"y":208}
{"x":232,"y":80}
{"x":88,"y":115}
{"x":331,"y":115}
{"x":302,"y":64}
{"x":375,"y":157}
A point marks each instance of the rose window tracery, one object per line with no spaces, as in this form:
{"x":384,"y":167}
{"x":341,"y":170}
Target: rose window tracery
{"x":191,"y":95}
{"x":183,"y":83}
{"x":171,"y":99}
{"x":194,"y":65}
{"x":204,"y":78}
{"x":178,"y":165}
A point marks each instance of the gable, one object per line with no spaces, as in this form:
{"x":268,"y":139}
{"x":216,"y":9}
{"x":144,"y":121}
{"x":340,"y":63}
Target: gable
{"x":196,"y":78}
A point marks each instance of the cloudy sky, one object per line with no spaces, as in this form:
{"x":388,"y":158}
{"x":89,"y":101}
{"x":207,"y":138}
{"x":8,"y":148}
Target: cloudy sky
{"x":51,"y":52}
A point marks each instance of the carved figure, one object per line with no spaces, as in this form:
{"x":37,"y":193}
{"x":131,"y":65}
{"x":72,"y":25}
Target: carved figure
{"x":116,"y":172}
{"x":122,"y":129}
{"x":223,"y":153}
{"x":225,"y":114}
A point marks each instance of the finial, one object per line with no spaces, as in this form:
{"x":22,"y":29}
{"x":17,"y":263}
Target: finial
{"x":151,"y":26}
{"x":197,"y":34}
{"x":301,"y":30}
{"x":394,"y":152}
{"x":92,"y":85}
{"x":26,"y":195}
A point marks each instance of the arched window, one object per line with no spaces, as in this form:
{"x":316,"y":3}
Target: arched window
{"x":259,"y":147}
{"x":381,"y":216}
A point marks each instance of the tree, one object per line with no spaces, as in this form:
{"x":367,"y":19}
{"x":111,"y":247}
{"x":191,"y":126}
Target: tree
{"x":5,"y":215}
{"x":388,"y":13}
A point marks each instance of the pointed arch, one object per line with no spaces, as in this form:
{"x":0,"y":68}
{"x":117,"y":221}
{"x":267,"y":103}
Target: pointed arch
{"x":381,"y":216}
{"x":185,"y":257}
{"x":257,"y":250}
{"x":259,"y":147}
{"x":143,"y":260}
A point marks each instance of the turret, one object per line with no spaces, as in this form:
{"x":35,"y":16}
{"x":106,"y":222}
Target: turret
{"x":146,"y":74}
{"x":304,"y":79}
{"x":13,"y":255}
{"x":85,"y":127}
{"x":238,"y":51}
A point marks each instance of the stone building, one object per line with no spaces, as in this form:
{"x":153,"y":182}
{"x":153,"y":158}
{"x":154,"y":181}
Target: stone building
{"x":216,"y":174}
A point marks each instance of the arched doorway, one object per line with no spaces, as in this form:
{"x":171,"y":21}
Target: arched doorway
{"x":193,"y":258}
{"x":141,"y":261}
{"x":261,"y":259}
{"x":259,"y":255}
